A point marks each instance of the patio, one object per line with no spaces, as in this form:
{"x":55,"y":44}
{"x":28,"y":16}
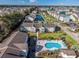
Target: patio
{"x":40,"y":46}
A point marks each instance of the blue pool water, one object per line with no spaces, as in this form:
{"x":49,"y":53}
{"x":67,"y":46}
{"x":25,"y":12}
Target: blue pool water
{"x":39,"y":18}
{"x":52,"y":45}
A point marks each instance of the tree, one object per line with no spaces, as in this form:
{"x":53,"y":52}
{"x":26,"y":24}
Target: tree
{"x":57,"y":28}
{"x":75,"y":47}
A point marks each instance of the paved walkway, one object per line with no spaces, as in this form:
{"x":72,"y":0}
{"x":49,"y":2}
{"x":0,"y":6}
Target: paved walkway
{"x":8,"y":40}
{"x":16,"y":37}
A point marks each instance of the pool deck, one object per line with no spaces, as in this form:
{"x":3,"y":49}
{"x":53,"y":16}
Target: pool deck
{"x":43,"y":42}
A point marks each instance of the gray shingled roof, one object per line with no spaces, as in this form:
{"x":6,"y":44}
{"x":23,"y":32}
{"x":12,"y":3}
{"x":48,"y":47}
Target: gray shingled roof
{"x":68,"y":51}
{"x":27,"y":24}
{"x":48,"y":25}
{"x":38,"y":25}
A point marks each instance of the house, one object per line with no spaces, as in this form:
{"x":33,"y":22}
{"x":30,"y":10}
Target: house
{"x":19,"y":51}
{"x":33,"y":15}
{"x":17,"y":48}
{"x":62,"y":13}
{"x":54,"y":14}
{"x":67,"y":53}
{"x":29,"y":18}
{"x":49,"y":27}
{"x":73,"y":26}
{"x":39,"y":27}
{"x":48,"y":54}
{"x":77,"y":15}
{"x":26,"y":27}
{"x":65,"y":18}
{"x":34,"y":12}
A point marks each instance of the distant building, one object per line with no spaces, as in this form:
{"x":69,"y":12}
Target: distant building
{"x":65,"y":18}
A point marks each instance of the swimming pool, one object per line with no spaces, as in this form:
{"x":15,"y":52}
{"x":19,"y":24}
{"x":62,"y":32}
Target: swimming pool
{"x":39,"y":18}
{"x":52,"y":45}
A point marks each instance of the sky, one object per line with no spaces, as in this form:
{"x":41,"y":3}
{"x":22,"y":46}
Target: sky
{"x":40,"y":2}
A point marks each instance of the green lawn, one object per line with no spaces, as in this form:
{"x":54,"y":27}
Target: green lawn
{"x":54,"y":36}
{"x":71,"y":40}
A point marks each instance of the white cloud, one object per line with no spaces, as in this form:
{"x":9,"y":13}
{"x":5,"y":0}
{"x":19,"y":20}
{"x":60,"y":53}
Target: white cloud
{"x":32,"y":1}
{"x":61,"y":3}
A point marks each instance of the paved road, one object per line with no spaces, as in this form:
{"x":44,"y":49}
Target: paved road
{"x":8,"y":40}
{"x":72,"y":34}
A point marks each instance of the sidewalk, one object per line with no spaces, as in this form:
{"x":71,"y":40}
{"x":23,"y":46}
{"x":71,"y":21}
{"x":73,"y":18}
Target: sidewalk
{"x":8,"y":40}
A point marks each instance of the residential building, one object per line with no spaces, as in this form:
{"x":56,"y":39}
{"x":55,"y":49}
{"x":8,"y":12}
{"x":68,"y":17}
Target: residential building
{"x":28,"y":27}
{"x":49,"y":27}
{"x":39,"y":27}
{"x":29,"y":18}
{"x":67,"y":53}
{"x":73,"y":26}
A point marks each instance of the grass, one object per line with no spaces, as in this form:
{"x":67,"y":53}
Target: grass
{"x":70,"y":40}
{"x":49,"y":35}
{"x":54,"y":36}
{"x":48,"y":18}
{"x":31,"y":34}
